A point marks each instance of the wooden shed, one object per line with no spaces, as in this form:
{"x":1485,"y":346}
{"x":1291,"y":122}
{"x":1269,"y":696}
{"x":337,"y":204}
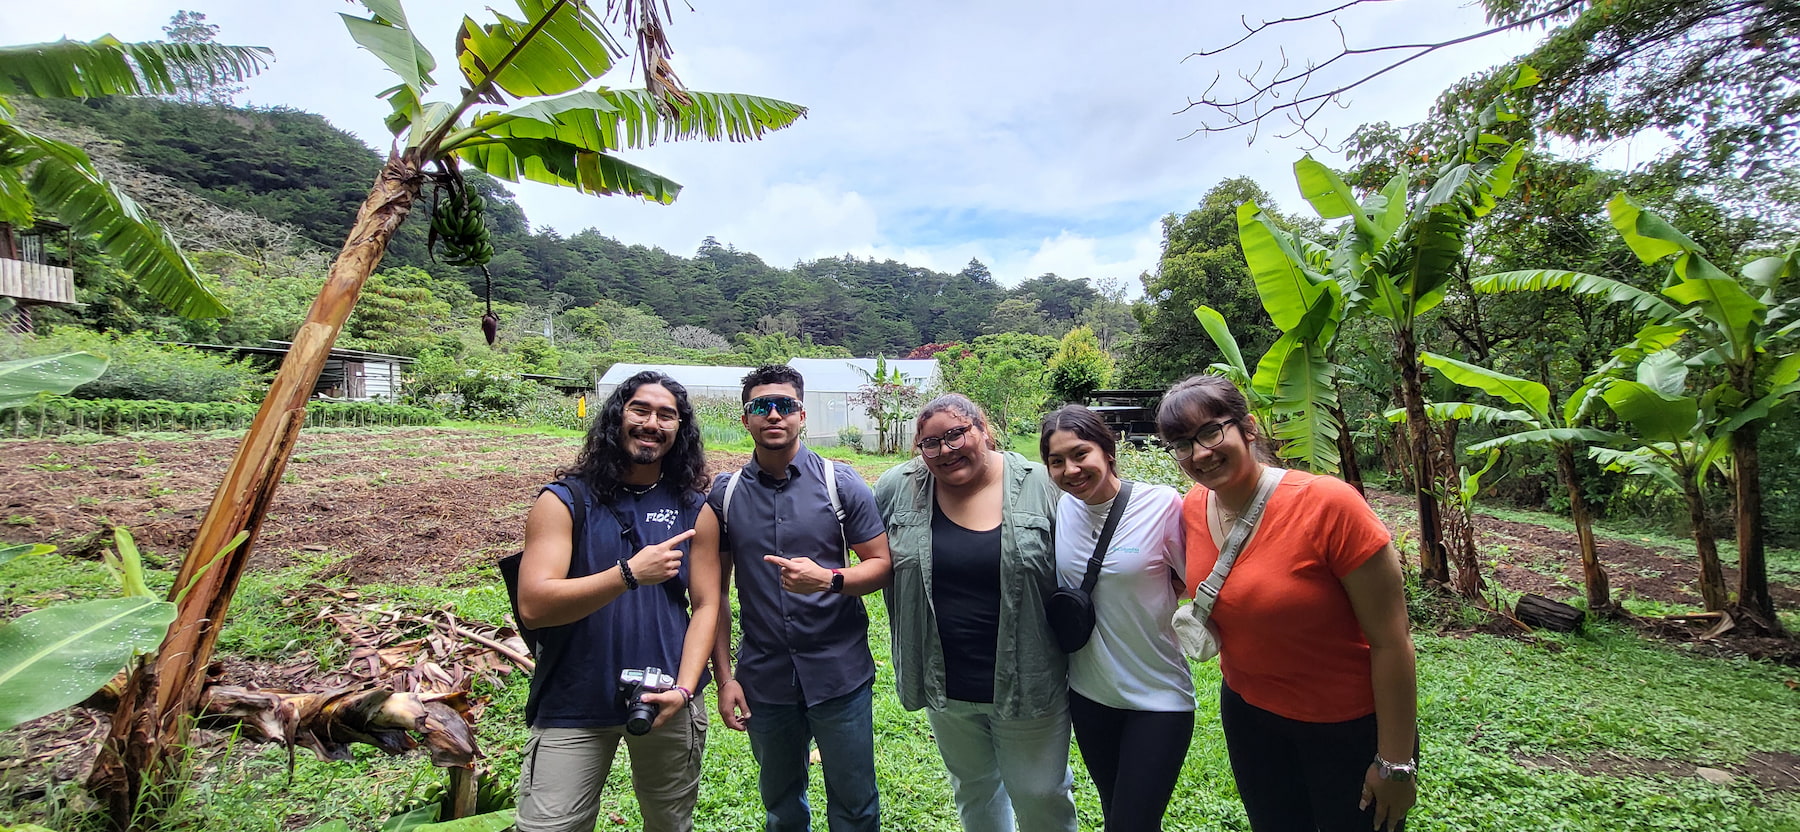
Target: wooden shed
{"x":27,"y":274}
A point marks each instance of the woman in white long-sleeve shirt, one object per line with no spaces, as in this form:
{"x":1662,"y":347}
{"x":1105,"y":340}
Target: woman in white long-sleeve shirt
{"x":1131,"y":694}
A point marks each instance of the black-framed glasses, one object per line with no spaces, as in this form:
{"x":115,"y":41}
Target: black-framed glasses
{"x":764,"y":405}
{"x":1208,"y":436}
{"x":640,"y":415}
{"x":951,"y":440}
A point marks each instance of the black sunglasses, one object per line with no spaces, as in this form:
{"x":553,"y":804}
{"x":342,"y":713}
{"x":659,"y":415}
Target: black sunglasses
{"x":762,"y":405}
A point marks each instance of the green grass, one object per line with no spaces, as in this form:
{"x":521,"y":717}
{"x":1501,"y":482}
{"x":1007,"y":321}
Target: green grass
{"x":1488,"y":707}
{"x":1493,"y":710}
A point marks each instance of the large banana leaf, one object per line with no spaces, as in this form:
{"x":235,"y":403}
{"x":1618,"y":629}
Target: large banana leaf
{"x":1309,"y":435}
{"x":388,"y":36}
{"x":24,"y":379}
{"x":1724,"y":302}
{"x":1657,"y":418}
{"x":107,"y":66}
{"x":1546,"y":436}
{"x":57,"y":656}
{"x":9,"y":551}
{"x":1464,"y":412}
{"x":572,"y":49}
{"x":1296,"y":376}
{"x":1522,"y":392}
{"x":1393,"y":209}
{"x":1438,"y":252}
{"x":1331,"y":197}
{"x":1768,"y":273}
{"x":492,"y":822}
{"x":1650,"y":237}
{"x":618,"y":119}
{"x":1537,"y":280}
{"x":560,"y":163}
{"x":66,"y":184}
{"x":1665,"y":372}
{"x":1220,"y":332}
{"x":1282,"y":279}
{"x":1639,"y":461}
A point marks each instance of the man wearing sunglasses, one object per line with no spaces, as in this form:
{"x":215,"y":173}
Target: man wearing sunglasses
{"x":803,"y":670}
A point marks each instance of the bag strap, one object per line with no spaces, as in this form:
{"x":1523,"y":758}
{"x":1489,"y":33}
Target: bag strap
{"x":1207,"y":593}
{"x":1106,"y":535}
{"x":725,"y":509}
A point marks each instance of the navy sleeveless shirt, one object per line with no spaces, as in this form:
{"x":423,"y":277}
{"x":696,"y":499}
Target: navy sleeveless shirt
{"x":579,"y":663}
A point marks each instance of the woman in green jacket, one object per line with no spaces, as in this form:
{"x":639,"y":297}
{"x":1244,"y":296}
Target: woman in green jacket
{"x":974,"y":558}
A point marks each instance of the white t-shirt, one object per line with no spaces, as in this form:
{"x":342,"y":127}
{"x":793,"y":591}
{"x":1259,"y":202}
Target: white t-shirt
{"x":1133,"y":661}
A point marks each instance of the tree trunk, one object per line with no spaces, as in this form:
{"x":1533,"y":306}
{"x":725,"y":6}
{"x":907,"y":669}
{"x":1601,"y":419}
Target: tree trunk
{"x":1712,"y":580}
{"x":1753,"y":566}
{"x":140,"y":758}
{"x":1599,"y":594}
{"x":1347,"y":467}
{"x":1434,"y":563}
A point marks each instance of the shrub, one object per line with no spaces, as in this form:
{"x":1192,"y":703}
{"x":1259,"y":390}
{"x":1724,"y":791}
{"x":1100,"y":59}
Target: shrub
{"x":58,"y":415}
{"x":851,"y":436}
{"x":142,"y":369}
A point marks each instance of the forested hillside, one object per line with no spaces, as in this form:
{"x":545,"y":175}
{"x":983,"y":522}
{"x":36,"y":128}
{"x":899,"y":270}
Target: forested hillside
{"x":295,"y":169}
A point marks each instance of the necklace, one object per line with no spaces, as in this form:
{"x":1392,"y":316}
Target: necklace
{"x":637,"y":490}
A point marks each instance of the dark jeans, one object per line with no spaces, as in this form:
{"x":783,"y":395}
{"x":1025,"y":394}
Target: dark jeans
{"x":1134,"y":757}
{"x":781,"y":738}
{"x":1298,"y":776}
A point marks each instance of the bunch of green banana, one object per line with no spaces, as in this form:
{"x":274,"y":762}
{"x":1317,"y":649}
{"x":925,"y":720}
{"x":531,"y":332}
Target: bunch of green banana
{"x":456,"y":220}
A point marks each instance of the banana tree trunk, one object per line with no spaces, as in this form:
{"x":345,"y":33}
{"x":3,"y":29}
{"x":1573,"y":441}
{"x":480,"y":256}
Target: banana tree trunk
{"x":1599,"y":593}
{"x":141,"y":759}
{"x":1434,"y":562}
{"x":1753,"y":567}
{"x":1348,"y":470}
{"x":1712,"y":579}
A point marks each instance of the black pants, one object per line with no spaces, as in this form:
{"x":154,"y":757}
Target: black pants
{"x":1298,"y":776}
{"x":1134,"y":757}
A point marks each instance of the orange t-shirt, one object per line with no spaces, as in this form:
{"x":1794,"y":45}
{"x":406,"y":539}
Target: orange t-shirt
{"x":1289,"y":641}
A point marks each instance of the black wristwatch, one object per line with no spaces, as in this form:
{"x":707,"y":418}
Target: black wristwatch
{"x":837,"y":581}
{"x":1402,"y":772}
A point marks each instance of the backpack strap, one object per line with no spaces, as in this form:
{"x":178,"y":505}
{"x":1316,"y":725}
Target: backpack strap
{"x":725,"y":508}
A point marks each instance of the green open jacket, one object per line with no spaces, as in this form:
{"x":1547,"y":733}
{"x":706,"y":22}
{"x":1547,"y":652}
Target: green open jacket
{"x":1031,"y":675}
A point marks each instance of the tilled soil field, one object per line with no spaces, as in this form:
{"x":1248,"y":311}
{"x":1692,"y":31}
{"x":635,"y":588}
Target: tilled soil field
{"x":407,"y":505}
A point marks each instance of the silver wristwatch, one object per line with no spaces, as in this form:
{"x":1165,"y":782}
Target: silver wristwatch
{"x":1395,"y":771}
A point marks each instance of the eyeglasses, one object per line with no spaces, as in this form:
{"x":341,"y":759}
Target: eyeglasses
{"x":1208,"y":436}
{"x":640,"y":415}
{"x":763,"y":405}
{"x":951,"y":440}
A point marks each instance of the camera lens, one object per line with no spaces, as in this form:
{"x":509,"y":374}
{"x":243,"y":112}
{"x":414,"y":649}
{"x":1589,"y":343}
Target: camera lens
{"x":639,"y":718}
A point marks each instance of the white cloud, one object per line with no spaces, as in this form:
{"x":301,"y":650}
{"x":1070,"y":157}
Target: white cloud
{"x":1034,"y":135}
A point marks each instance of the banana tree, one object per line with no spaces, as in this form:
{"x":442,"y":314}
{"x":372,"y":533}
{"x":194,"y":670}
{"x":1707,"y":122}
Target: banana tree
{"x":40,"y":176}
{"x":1561,"y":428}
{"x":1294,"y":385}
{"x":1394,"y":260}
{"x":1675,"y":443}
{"x":564,"y":135}
{"x":1744,"y":334}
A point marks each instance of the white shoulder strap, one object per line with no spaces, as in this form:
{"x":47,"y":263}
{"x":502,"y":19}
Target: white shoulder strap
{"x":725,"y":508}
{"x":1207,"y":593}
{"x":831,"y":491}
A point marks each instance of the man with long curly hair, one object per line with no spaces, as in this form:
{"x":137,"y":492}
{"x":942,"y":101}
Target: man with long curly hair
{"x":619,"y":602}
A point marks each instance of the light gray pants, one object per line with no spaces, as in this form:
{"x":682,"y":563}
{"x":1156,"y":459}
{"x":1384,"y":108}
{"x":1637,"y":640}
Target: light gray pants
{"x":564,"y":769}
{"x":1002,"y":769}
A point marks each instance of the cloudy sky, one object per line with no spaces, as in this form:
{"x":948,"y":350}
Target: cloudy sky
{"x":1037,"y":135}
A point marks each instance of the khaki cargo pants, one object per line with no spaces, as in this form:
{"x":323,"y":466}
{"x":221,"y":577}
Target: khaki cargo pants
{"x":564,"y":769}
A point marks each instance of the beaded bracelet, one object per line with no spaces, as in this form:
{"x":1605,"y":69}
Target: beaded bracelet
{"x":631,"y":581}
{"x":687,"y":696}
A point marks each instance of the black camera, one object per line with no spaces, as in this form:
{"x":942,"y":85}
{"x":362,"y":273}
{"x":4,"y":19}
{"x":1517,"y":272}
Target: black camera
{"x":640,"y":716}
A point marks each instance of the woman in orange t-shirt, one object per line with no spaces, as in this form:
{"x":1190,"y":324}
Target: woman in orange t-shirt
{"x":1319,"y":702}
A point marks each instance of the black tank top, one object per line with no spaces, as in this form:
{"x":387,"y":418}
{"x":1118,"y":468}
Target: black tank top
{"x":965,"y":594}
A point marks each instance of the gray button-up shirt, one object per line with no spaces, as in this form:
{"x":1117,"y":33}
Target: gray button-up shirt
{"x":797,"y":648}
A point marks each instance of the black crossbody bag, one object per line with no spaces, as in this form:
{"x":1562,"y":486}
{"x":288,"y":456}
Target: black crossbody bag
{"x":1071,"y":610}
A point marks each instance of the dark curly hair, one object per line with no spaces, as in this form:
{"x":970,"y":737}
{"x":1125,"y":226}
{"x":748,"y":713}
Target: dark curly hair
{"x":774,"y":374}
{"x":603,"y":462}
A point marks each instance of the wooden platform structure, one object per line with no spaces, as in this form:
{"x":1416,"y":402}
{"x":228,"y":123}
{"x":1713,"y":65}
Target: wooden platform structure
{"x":1130,"y":413}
